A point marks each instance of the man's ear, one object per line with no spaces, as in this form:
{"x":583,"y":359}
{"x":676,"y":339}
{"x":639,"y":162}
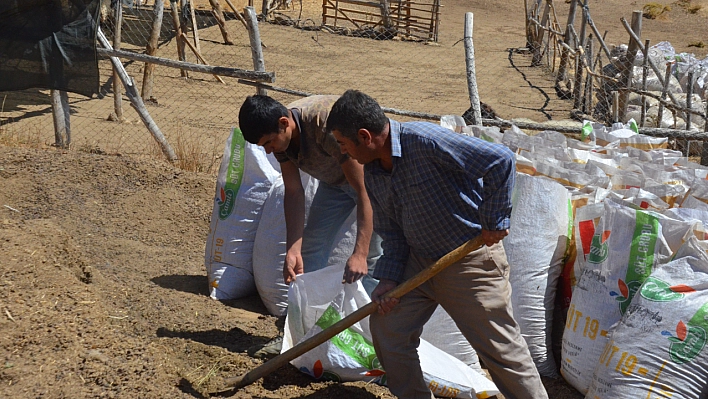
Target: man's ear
{"x":364,"y":136}
{"x":283,"y":123}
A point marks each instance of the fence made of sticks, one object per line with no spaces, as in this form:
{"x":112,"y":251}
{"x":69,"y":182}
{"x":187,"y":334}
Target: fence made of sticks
{"x":616,"y":83}
{"x":174,"y":73}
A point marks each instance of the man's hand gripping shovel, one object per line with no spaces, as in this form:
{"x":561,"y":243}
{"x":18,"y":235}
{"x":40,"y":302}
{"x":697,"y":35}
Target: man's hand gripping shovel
{"x":233,"y":384}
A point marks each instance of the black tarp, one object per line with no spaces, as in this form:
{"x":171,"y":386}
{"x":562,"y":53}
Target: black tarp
{"x":49,"y":44}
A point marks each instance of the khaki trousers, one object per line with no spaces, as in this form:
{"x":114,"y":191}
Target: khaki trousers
{"x":476,"y":293}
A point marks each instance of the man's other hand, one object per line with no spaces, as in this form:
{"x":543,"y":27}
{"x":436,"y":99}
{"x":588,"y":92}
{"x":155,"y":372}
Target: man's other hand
{"x":385,"y":304}
{"x":292,"y":266}
{"x":356,"y":268}
{"x":492,"y":237}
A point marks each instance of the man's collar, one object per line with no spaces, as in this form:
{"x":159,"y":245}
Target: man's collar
{"x":395,"y":134}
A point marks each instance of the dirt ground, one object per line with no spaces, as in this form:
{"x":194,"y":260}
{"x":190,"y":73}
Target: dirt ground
{"x":103,"y":291}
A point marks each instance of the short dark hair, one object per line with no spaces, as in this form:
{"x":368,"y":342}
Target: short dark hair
{"x":353,"y":111}
{"x":259,"y":116}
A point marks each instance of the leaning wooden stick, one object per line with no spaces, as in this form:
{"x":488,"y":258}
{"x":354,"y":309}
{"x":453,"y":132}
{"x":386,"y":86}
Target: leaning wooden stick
{"x":235,"y":383}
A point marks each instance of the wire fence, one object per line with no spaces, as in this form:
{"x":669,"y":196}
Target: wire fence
{"x":406,"y":54}
{"x":651,"y":84}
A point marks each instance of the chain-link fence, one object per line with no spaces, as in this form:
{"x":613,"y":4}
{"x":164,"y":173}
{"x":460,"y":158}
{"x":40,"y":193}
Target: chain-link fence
{"x":651,"y":84}
{"x":407,"y":54}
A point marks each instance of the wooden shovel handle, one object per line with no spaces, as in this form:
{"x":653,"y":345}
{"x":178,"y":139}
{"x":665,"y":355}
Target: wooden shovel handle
{"x":235,"y":383}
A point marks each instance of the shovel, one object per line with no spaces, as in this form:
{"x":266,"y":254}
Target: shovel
{"x":235,"y":383}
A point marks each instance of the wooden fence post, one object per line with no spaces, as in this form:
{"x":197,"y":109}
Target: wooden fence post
{"x":137,"y":102}
{"x":664,"y":91}
{"x":689,"y":99}
{"x":61,"y":116}
{"x":471,"y":76}
{"x":255,"y":38}
{"x":536,"y":60}
{"x":645,"y":71}
{"x":628,"y":65}
{"x":176,"y":22}
{"x":219,"y":15}
{"x":151,"y":49}
{"x":117,"y":32}
{"x":195,"y":27}
{"x":563,"y":67}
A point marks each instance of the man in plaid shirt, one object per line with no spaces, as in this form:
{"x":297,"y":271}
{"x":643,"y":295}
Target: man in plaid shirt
{"x":431,"y":191}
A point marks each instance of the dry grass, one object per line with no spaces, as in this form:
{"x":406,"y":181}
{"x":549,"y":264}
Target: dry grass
{"x":698,"y":44}
{"x":655,"y":10}
{"x":688,"y":6}
{"x":192,"y":154}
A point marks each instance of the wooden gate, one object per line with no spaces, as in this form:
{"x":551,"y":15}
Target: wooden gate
{"x":407,"y":19}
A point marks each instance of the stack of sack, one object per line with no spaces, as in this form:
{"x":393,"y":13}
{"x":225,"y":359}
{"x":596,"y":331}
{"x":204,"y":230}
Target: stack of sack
{"x":632,"y":261}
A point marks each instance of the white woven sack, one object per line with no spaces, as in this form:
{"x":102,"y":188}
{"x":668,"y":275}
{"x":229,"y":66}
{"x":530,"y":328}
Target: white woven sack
{"x":269,"y":245}
{"x":627,"y":245}
{"x":535,"y":248}
{"x":350,"y":355}
{"x":442,"y":332}
{"x":659,"y":347}
{"x":242,"y":185}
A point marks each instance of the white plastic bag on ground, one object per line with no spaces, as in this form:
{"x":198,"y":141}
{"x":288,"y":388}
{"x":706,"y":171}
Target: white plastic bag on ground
{"x":350,"y":356}
{"x":535,"y":248}
{"x":245,"y":178}
{"x":658,"y":348}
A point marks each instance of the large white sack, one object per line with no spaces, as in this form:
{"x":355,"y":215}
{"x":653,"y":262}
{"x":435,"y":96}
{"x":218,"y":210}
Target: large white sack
{"x":270,"y":242}
{"x":270,"y":246}
{"x":242,"y":185}
{"x":350,"y":355}
{"x":535,"y":249}
{"x":627,"y":245}
{"x":658,"y":348}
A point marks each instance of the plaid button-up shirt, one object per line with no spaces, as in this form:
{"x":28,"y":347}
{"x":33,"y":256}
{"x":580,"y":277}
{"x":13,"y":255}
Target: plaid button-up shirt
{"x":444,"y":188}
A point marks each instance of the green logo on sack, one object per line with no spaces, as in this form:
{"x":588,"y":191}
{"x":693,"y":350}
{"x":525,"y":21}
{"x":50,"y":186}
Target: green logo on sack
{"x":660,"y":291}
{"x":599,"y":247}
{"x":641,"y":258}
{"x":353,"y":344}
{"x":234,"y":174}
{"x":690,"y":338}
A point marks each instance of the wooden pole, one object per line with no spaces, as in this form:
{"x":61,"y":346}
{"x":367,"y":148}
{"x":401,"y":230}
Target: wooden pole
{"x":664,"y":91}
{"x":176,"y":22}
{"x":61,"y":116}
{"x":238,"y":14}
{"x":663,"y":81}
{"x":615,"y":106}
{"x":219,"y":16}
{"x":117,"y":32}
{"x":578,"y":86}
{"x":645,"y":71}
{"x":567,"y":37}
{"x":195,"y":26}
{"x":235,"y":383}
{"x":689,"y":99}
{"x":536,"y":60}
{"x":471,"y":75}
{"x":200,"y":57}
{"x":151,"y":49}
{"x":137,"y":102}
{"x":628,"y":65}
{"x":214,"y":70}
{"x":587,"y":94}
{"x":254,"y":36}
